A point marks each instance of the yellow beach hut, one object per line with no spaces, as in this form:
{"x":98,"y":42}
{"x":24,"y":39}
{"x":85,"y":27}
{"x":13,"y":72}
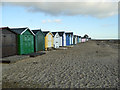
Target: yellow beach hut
{"x":49,"y":40}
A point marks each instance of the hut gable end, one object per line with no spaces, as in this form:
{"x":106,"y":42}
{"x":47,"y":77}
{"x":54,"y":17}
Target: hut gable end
{"x":21,"y":31}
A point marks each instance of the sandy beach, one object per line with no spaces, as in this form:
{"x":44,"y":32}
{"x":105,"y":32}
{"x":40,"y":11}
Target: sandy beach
{"x":93,"y":64}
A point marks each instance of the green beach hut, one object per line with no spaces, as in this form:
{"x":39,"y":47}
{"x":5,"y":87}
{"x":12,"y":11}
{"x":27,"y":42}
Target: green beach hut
{"x":25,"y":40}
{"x":39,"y":40}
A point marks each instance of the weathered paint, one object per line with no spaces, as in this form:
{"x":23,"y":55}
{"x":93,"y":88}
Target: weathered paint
{"x":49,"y":40}
{"x":8,"y":45}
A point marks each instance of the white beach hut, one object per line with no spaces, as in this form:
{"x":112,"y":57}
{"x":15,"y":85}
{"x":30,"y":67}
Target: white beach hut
{"x":56,"y":39}
{"x":62,"y":38}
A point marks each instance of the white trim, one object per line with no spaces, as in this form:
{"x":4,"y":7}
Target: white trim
{"x":26,"y":30}
{"x":51,"y":33}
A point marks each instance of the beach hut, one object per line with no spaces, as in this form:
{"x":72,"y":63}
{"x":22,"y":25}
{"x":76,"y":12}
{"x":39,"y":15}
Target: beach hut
{"x":67,"y":39}
{"x":48,"y":39}
{"x":71,"y":39}
{"x":86,"y":37}
{"x":62,"y":38}
{"x":56,"y":39}
{"x":25,"y":40}
{"x":39,"y":40}
{"x":8,"y":42}
{"x":83,"y":39}
{"x":74,"y":39}
{"x":77,"y":39}
{"x":80,"y":39}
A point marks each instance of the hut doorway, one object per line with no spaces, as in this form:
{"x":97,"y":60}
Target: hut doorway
{"x":49,"y":40}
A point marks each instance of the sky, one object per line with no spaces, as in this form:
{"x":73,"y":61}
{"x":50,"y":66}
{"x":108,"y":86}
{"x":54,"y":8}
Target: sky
{"x":97,"y":19}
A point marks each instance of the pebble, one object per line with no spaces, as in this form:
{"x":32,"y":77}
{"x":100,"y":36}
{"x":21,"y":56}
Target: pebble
{"x":76,"y":67}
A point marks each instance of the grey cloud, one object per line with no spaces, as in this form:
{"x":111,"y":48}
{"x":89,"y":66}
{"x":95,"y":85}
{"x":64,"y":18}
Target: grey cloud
{"x":94,"y":9}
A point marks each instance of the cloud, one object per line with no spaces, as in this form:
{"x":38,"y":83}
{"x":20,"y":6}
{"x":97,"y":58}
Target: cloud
{"x":60,"y":0}
{"x":100,"y":9}
{"x":52,"y":21}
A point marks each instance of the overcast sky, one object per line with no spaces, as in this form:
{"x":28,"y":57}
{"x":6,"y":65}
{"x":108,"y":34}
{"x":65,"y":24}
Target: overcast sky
{"x":97,"y":18}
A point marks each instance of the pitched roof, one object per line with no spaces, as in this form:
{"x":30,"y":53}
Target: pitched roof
{"x":54,"y":33}
{"x":4,"y":28}
{"x":18,"y":30}
{"x":61,"y":33}
{"x":45,"y":32}
{"x":35,"y":31}
{"x":75,"y":35}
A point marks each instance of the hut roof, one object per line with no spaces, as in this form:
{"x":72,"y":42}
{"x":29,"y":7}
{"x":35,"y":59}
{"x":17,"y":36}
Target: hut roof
{"x":4,"y":28}
{"x":75,"y":35}
{"x":69,"y":33}
{"x":61,"y":33}
{"x":20,"y":30}
{"x":82,"y":37}
{"x":35,"y":31}
{"x":45,"y":32}
{"x":54,"y":33}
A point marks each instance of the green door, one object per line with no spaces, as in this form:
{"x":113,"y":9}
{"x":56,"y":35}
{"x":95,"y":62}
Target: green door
{"x":40,"y":42}
{"x":28,"y":44}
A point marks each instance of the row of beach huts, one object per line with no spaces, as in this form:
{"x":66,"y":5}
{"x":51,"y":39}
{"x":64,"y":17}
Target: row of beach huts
{"x":25,"y":41}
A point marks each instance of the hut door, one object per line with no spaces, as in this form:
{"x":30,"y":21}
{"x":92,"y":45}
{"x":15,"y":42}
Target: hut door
{"x":67,"y":40}
{"x":57,"y":42}
{"x":49,"y":40}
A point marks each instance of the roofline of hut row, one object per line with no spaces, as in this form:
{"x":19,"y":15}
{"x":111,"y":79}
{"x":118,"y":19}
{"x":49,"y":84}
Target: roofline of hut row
{"x":26,"y":30}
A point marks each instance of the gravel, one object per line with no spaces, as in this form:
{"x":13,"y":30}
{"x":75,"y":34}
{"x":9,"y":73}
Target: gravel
{"x":85,"y":65}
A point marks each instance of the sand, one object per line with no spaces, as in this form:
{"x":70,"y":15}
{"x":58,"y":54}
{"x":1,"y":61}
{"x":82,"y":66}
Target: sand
{"x":93,"y":64}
